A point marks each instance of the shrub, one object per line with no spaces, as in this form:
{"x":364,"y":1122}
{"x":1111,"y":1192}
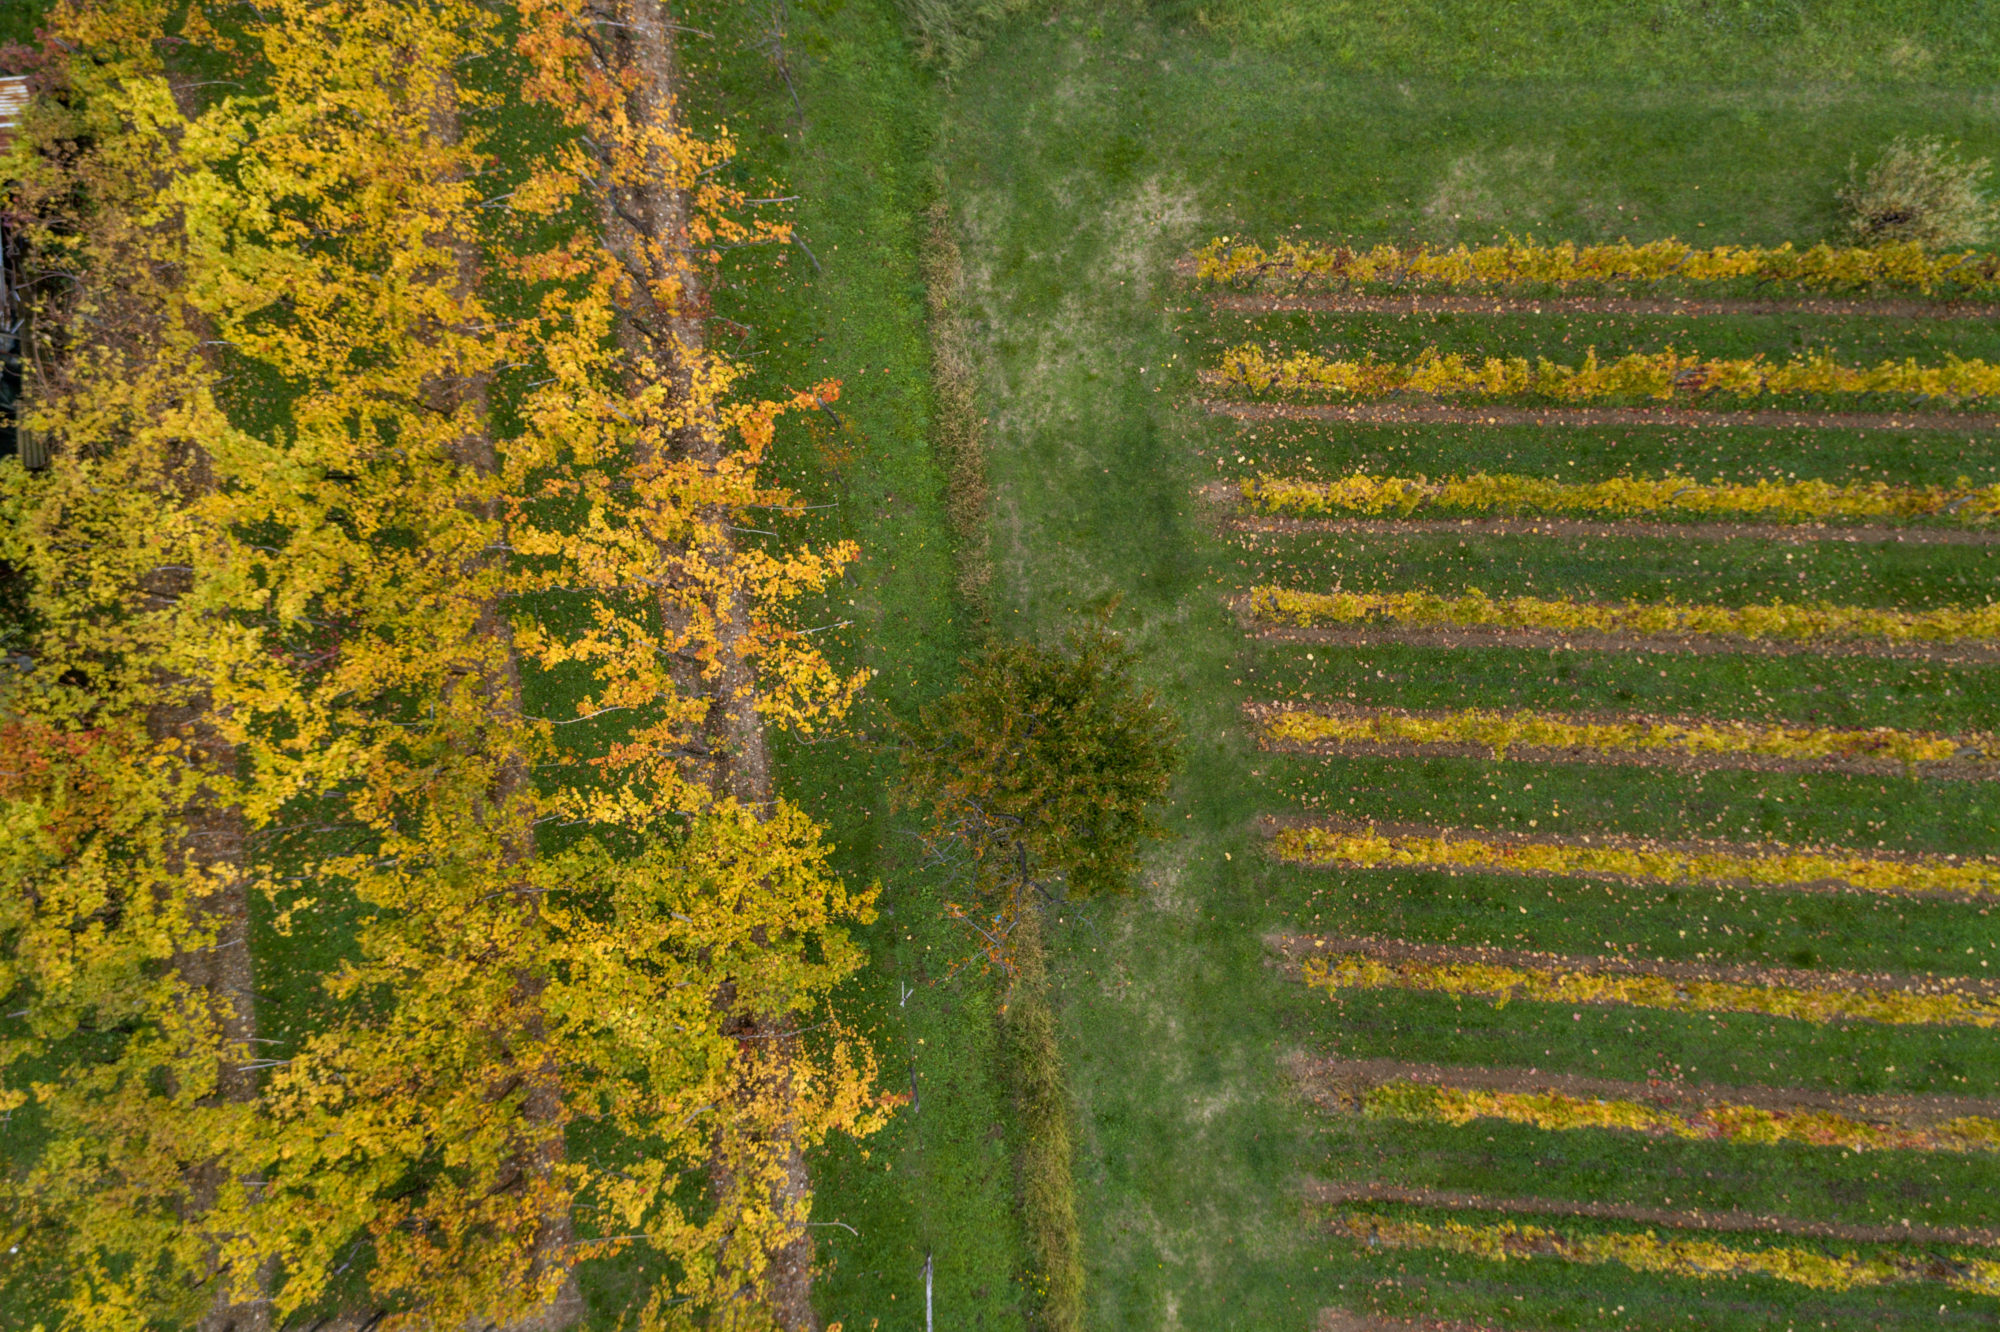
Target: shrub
{"x":1920,"y":192}
{"x":1042,"y":764}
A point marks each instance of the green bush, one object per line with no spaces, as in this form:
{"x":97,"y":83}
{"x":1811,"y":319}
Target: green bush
{"x":1044,"y":761}
{"x":1920,"y":191}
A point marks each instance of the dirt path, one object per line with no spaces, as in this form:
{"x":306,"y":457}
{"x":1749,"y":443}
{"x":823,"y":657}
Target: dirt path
{"x":1337,"y":1085}
{"x":1346,"y":1320}
{"x":1686,"y":418}
{"x":1444,"y":303}
{"x":1731,"y":1222}
{"x":1672,"y":760}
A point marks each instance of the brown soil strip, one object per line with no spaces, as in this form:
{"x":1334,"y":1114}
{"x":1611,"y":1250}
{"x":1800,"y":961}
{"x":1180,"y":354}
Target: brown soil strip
{"x":1425,"y":414}
{"x":1346,"y":1320}
{"x":1338,"y":1084}
{"x":1671,"y":760}
{"x":1444,"y":303}
{"x":1563,"y":640}
{"x":1616,"y":841}
{"x":1735,"y":1222}
{"x":1296,"y":948}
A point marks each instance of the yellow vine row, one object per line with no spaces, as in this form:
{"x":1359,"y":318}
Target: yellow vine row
{"x":1771,"y":620}
{"x":1571,"y":984}
{"x":1779,"y":868}
{"x":1502,"y":731}
{"x":1421,"y":1103}
{"x":1821,"y":268}
{"x":1788,"y":501}
{"x":1659,"y":375}
{"x":1646,"y":1252}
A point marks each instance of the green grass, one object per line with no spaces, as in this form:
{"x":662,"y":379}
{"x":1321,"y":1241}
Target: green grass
{"x":1083,"y":155}
{"x":855,"y":147}
{"x":1627,"y":568}
{"x":19,"y":19}
{"x":1564,"y":338}
{"x":1656,"y":42}
{"x":1598,"y":453}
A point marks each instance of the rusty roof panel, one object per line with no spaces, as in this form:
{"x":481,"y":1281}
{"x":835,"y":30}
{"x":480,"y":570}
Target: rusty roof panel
{"x":13,"y":100}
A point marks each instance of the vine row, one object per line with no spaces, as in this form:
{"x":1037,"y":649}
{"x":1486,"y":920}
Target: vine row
{"x":1292,"y":264}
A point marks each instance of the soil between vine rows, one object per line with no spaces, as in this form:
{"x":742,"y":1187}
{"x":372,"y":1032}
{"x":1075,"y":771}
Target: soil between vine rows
{"x":1343,"y":1320}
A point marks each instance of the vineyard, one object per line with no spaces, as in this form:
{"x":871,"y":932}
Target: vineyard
{"x":1474,"y":578}
{"x":562,"y":568}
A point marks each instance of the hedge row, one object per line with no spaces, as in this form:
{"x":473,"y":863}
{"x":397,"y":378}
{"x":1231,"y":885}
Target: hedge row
{"x":1790,"y":501}
{"x":1772,"y":620}
{"x":1501,"y":731}
{"x":1422,"y":1103}
{"x":1646,"y":1252}
{"x":1293,"y":264}
{"x":1576,"y":985}
{"x":1779,"y":868}
{"x":1657,"y":375}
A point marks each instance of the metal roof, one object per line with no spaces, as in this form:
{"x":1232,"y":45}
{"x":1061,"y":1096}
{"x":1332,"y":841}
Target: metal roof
{"x":13,"y":100}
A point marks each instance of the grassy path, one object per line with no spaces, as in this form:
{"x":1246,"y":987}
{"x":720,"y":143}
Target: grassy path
{"x":935,"y":1191}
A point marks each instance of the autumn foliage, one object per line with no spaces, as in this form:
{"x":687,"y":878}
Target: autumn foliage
{"x":294,"y":645}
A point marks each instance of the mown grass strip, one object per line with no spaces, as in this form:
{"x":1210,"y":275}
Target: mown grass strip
{"x":1225,"y":261}
{"x":1674,"y":1256}
{"x":1549,"y":736}
{"x":1657,"y":375}
{"x":1632,"y":860}
{"x":1625,"y":496}
{"x":1776,"y":620}
{"x":1725,"y":1121}
{"x":1505,"y":975}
